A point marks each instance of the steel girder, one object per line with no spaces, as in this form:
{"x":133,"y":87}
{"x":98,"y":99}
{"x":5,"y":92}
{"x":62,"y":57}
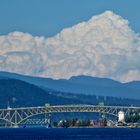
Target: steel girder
{"x":15,"y":116}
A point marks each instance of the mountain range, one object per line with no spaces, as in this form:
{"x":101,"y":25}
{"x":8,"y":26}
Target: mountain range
{"x":17,"y":93}
{"x":84,"y":85}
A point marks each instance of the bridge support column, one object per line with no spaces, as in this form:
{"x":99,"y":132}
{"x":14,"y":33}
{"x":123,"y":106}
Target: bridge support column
{"x":16,"y":120}
{"x":121,"y":116}
{"x":48,"y":120}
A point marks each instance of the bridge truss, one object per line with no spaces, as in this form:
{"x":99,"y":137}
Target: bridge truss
{"x":15,"y":116}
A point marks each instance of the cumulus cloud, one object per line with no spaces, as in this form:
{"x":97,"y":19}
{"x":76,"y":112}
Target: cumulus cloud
{"x":104,"y":46}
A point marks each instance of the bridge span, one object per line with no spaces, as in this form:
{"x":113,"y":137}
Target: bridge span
{"x":15,"y":116}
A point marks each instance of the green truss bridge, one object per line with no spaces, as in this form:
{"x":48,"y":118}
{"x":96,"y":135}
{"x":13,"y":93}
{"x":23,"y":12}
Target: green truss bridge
{"x":16,"y":116}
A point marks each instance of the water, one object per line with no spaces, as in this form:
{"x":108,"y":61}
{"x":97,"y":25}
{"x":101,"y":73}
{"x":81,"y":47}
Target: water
{"x":69,"y":134}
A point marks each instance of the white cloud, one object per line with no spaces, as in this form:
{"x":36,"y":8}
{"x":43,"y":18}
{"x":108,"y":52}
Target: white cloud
{"x":104,"y":46}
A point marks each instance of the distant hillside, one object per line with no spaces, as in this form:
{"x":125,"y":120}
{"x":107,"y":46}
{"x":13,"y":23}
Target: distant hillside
{"x":83,"y":85}
{"x":21,"y":94}
{"x":88,"y":80}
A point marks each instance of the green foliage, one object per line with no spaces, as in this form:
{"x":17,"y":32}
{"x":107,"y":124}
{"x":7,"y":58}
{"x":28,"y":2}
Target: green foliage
{"x":72,"y":123}
{"x":133,"y":117}
{"x":22,"y":94}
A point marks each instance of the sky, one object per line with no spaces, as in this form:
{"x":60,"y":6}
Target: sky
{"x":65,"y":38}
{"x":48,"y":17}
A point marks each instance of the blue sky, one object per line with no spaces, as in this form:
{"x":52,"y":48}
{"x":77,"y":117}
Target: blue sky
{"x":48,"y":17}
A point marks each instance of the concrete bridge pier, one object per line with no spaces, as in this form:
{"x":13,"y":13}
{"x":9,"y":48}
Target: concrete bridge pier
{"x":121,"y":116}
{"x":48,"y":120}
{"x":121,"y":119}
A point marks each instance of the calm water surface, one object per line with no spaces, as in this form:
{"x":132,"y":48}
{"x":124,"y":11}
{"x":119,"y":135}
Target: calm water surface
{"x":69,"y":134}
